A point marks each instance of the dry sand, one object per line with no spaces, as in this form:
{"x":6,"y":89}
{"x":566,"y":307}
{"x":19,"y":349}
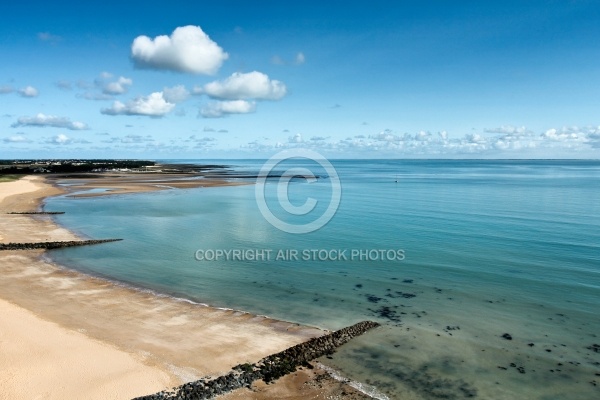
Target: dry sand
{"x":67,"y":335}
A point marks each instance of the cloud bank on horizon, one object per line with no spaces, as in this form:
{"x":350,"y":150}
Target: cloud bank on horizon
{"x":265,"y":83}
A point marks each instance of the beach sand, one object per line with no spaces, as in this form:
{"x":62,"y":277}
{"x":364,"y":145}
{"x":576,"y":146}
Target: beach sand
{"x":105,"y":184}
{"x":64,"y":334}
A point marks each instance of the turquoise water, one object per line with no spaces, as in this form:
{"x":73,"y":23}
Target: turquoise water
{"x":490,"y":247}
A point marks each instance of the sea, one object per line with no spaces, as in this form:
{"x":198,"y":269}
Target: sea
{"x":485,"y":274}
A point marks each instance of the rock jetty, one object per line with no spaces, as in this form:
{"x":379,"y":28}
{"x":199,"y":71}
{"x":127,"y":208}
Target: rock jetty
{"x":37,"y":213}
{"x":267,"y":369}
{"x":52,"y":245}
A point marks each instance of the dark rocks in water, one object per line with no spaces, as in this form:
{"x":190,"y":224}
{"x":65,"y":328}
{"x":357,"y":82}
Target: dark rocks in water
{"x":503,"y":368}
{"x":408,"y":281}
{"x":373,"y":299}
{"x":387,"y":313}
{"x":452,"y":328}
{"x":521,"y":370}
{"x":530,"y":344}
{"x":358,"y":285}
{"x":401,"y":294}
{"x":595,"y":348}
{"x":507,"y":336}
{"x":430,"y":386}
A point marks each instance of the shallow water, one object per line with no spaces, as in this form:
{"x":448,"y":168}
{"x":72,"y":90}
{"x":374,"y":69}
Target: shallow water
{"x":491,"y":247}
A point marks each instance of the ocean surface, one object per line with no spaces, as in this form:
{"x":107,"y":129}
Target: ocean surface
{"x":484,"y":274}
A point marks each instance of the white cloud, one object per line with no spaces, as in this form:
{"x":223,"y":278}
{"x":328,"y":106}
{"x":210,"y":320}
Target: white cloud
{"x":176,"y":94}
{"x":218,"y":109}
{"x":16,"y":139}
{"x":119,"y":86}
{"x":297,"y":138}
{"x":42,"y":120}
{"x":509,"y":130}
{"x":188,"y":49}
{"x":60,"y":139}
{"x":29,"y":91}
{"x":153,"y":105}
{"x":252,"y":85}
{"x":564,"y":134}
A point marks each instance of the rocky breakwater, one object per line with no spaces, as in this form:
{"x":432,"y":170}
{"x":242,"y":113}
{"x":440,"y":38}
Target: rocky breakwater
{"x":267,"y":369}
{"x":52,"y":245}
{"x":36,"y":213}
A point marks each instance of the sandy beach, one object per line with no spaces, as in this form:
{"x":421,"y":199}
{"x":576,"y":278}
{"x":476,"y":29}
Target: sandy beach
{"x":64,"y":334}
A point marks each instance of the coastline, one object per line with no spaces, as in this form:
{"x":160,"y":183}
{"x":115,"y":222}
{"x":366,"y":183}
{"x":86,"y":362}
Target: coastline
{"x":150,"y":342}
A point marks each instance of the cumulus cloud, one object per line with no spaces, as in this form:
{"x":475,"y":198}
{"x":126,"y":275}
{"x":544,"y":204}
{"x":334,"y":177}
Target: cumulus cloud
{"x":42,"y":120}
{"x":119,"y":86}
{"x":16,"y":139}
{"x":509,"y":130}
{"x":188,"y":49}
{"x":218,"y":109}
{"x":565,"y":134}
{"x":251,"y":85}
{"x":176,"y":94}
{"x":60,"y":139}
{"x":297,"y":138}
{"x":29,"y":91}
{"x":153,"y":105}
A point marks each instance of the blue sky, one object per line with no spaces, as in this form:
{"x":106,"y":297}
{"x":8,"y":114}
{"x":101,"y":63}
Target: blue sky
{"x":392,"y":79}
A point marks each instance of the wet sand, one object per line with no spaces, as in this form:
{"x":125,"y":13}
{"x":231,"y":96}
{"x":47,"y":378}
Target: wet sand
{"x":64,"y":334}
{"x":94,"y":184}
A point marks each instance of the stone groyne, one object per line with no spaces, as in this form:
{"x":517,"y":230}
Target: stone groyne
{"x":52,"y":245}
{"x":267,"y":369}
{"x":37,"y":213}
